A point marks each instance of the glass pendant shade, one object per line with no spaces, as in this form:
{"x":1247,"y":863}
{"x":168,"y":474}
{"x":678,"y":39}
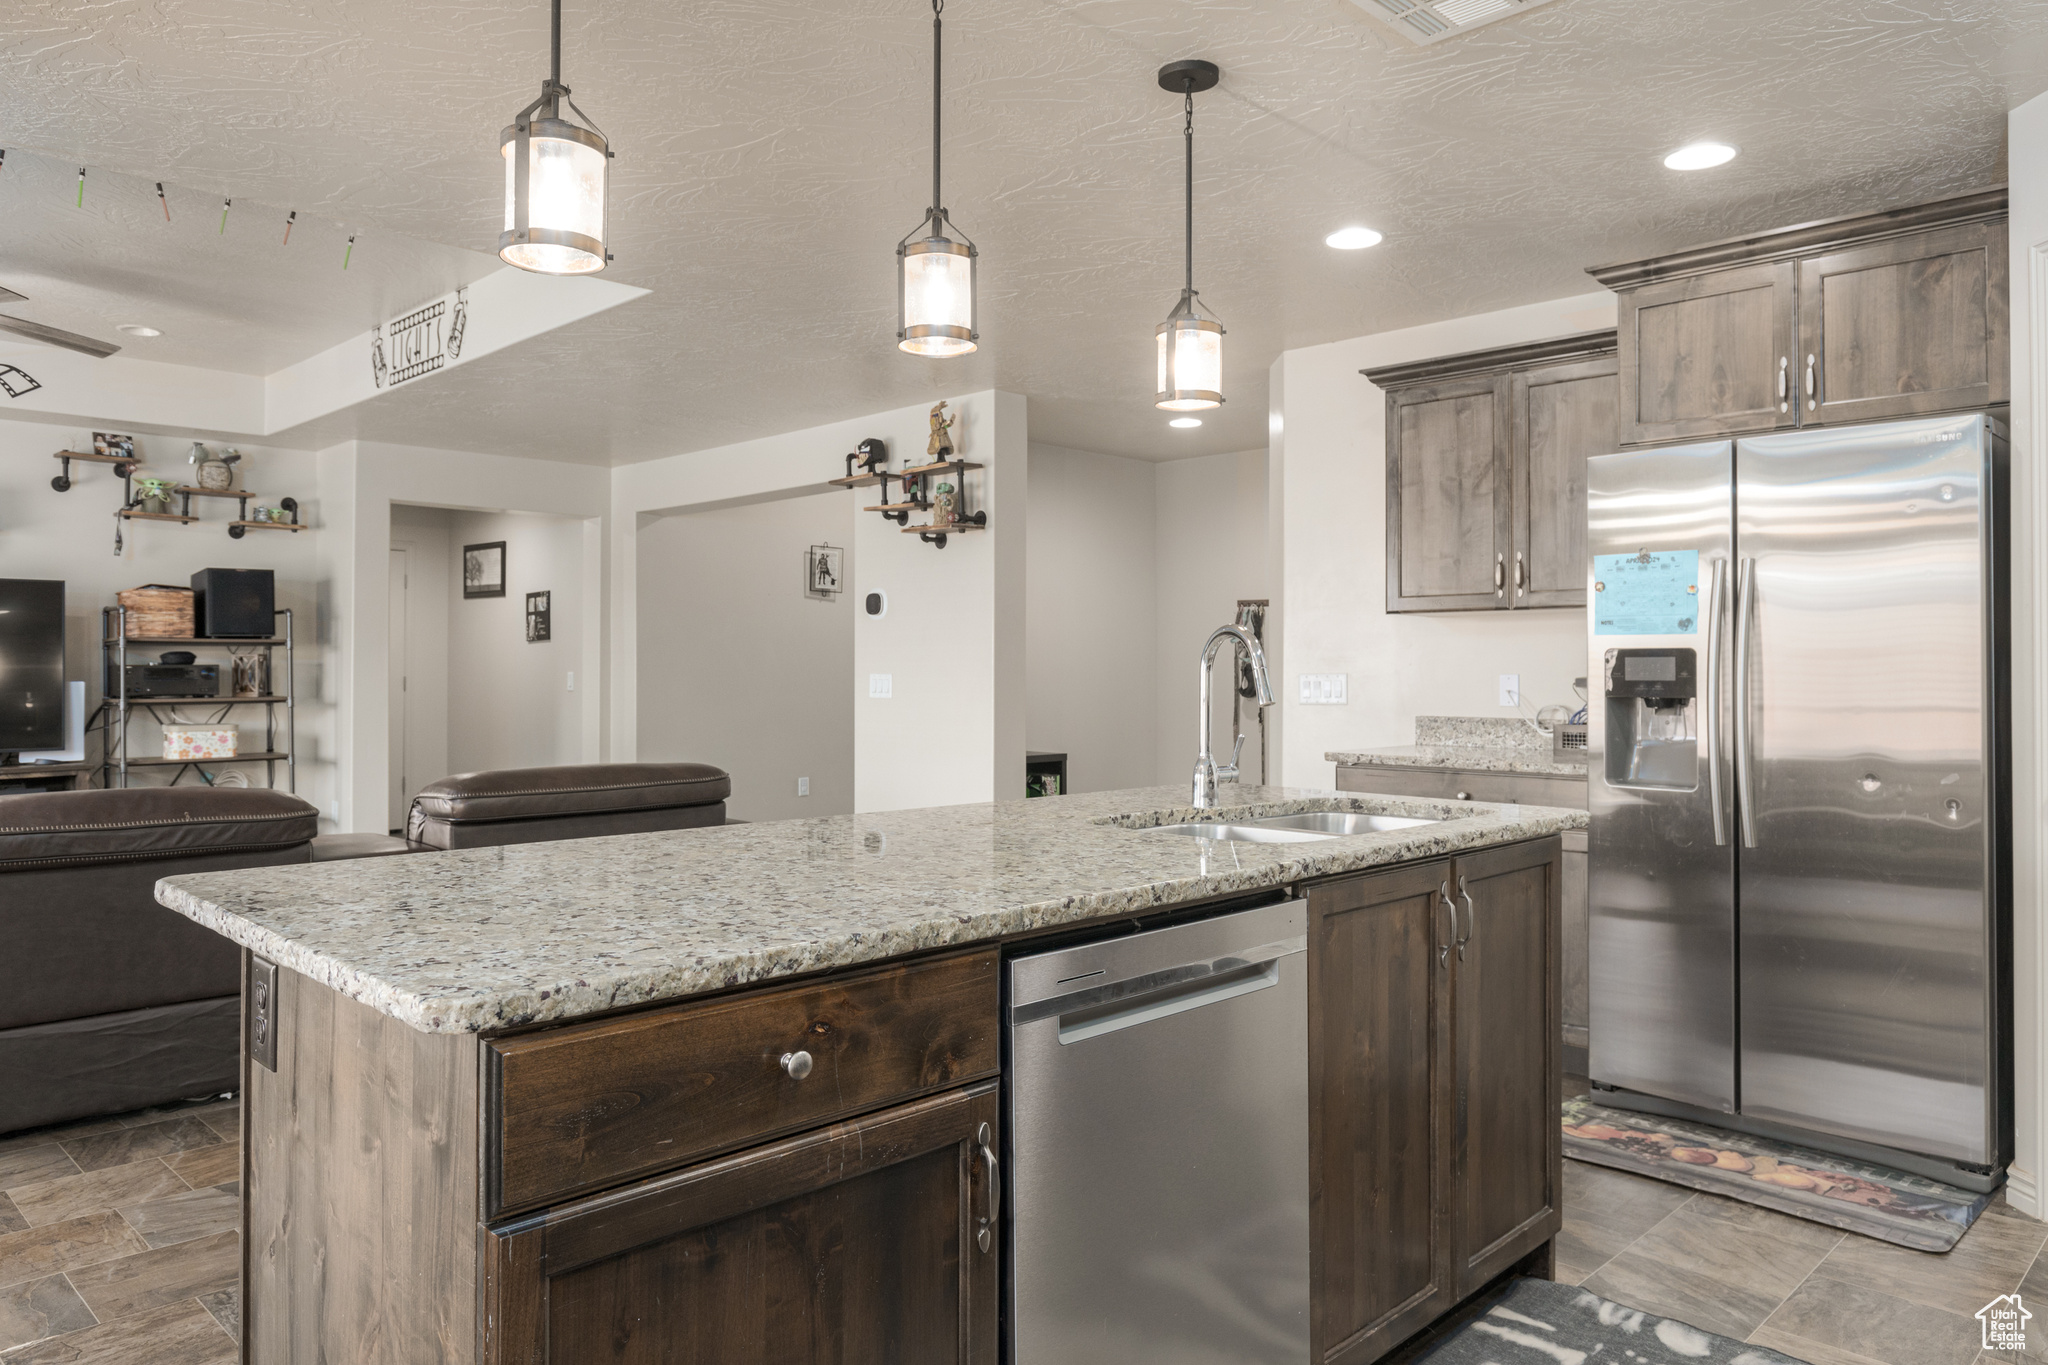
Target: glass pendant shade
{"x":561,"y":231}
{"x":1190,"y":364}
{"x":936,"y":287}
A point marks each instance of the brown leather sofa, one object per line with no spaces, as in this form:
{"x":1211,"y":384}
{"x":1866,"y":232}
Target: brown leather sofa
{"x":111,"y":1002}
{"x":530,"y":805}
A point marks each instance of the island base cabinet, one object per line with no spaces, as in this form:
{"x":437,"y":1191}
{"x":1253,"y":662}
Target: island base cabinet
{"x":852,"y":1244}
{"x":1435,"y":1063}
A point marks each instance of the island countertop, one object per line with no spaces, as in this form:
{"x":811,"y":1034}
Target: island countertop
{"x":483,"y":939}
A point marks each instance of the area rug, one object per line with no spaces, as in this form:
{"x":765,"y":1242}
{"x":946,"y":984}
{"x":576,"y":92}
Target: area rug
{"x":1889,"y":1205}
{"x":1540,"y":1323}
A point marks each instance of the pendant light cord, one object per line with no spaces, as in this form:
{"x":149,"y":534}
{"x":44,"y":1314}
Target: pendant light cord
{"x":938,"y":8}
{"x":555,"y":48}
{"x":1189,"y":133}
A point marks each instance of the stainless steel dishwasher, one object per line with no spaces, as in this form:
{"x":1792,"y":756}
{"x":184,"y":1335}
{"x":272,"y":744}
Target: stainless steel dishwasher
{"x":1158,"y":1098}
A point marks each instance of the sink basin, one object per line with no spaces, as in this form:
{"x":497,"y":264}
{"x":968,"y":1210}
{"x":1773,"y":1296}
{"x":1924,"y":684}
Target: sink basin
{"x":1241,"y":834}
{"x":1332,"y":822}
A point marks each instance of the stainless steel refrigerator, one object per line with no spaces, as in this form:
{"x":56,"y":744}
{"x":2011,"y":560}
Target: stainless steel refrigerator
{"x":1798,"y":863}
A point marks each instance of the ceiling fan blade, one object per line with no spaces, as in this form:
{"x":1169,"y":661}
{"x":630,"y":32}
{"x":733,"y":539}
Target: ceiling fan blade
{"x":70,"y":341}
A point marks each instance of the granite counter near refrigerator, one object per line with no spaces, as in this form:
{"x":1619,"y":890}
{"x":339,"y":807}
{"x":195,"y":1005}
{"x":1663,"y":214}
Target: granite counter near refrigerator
{"x":1486,"y":758}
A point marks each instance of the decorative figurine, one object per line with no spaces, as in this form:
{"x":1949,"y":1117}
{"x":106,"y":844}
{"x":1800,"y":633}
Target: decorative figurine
{"x":945,"y":505}
{"x":216,"y":471}
{"x":940,"y":447}
{"x":152,"y":495}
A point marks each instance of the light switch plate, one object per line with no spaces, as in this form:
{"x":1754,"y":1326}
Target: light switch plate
{"x":1324,"y":689}
{"x":803,"y":786}
{"x":1510,"y":689}
{"x":262,"y":1021}
{"x":881,"y":684}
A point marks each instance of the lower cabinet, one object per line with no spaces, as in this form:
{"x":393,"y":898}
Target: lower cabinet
{"x":1434,"y":1070}
{"x":856,"y":1243}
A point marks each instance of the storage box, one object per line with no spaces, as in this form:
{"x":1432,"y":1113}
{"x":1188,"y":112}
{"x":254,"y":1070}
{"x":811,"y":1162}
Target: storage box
{"x":192,"y":743}
{"x":157,"y":611}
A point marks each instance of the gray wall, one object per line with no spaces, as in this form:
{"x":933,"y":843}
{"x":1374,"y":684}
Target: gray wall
{"x":737,"y":665}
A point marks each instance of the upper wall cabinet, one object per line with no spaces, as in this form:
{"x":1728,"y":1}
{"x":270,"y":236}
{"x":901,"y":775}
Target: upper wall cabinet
{"x":1850,"y":320}
{"x":1486,"y":473}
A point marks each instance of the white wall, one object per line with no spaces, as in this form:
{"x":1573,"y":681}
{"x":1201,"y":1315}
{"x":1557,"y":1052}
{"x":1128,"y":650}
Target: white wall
{"x":1211,"y":537}
{"x":423,"y":532}
{"x":1330,"y":480}
{"x":1091,"y":602}
{"x":2027,"y":162}
{"x":511,"y":704}
{"x":739,"y":665}
{"x":70,"y":535}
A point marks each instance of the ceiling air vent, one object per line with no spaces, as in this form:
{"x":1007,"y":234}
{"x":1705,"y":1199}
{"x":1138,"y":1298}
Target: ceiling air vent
{"x":1432,"y":21}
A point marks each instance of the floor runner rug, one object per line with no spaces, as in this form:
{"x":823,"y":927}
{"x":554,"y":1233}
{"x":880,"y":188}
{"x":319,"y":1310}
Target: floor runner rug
{"x":1540,"y":1323}
{"x":1890,"y":1205}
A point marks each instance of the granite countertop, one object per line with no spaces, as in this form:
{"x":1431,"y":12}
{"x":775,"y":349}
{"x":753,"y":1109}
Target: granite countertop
{"x":483,"y":939}
{"x":1482,"y":744}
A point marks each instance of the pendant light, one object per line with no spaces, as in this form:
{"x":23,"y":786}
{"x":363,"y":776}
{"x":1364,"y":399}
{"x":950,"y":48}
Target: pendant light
{"x":935,"y":275}
{"x":1190,"y":345}
{"x":556,"y":174}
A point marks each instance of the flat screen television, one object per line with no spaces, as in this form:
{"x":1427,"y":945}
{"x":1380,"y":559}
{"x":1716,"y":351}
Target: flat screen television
{"x":31,"y":664}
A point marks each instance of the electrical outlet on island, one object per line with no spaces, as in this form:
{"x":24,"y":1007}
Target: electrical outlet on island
{"x":803,"y":786}
{"x":1510,"y":689}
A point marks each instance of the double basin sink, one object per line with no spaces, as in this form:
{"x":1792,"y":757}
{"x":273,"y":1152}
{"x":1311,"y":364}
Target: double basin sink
{"x":1304,"y":827}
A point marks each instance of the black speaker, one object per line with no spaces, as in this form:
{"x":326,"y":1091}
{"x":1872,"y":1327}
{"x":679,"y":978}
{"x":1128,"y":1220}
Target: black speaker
{"x":231,"y":603}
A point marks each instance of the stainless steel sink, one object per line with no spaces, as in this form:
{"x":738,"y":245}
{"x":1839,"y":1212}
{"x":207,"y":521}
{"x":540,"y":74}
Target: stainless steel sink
{"x":1341,"y":822}
{"x":1306,"y":827}
{"x":1241,"y":834}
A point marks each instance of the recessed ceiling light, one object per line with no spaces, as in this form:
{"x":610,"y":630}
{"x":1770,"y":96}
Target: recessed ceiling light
{"x":136,"y":329}
{"x":1185,"y":422}
{"x":1700,"y":156}
{"x":1353,"y":238}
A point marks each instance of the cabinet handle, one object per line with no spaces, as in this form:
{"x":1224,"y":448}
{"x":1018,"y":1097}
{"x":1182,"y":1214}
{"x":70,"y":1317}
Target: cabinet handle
{"x":1499,"y":573}
{"x":1443,"y":952}
{"x":1518,"y":573}
{"x":1811,"y":398}
{"x":984,"y":1236}
{"x":1464,"y":796}
{"x":1784,"y":381}
{"x":797,"y":1064}
{"x":1471,"y":918}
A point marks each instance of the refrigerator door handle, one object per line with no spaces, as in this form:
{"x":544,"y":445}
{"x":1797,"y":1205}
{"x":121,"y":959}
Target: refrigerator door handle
{"x":1713,"y":702}
{"x":1745,"y":600}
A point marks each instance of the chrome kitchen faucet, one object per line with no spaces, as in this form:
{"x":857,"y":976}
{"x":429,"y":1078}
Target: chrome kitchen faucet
{"x":1207,"y":773}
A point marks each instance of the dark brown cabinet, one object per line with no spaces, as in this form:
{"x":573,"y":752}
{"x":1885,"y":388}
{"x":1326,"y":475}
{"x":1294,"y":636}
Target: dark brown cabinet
{"x":1486,"y":453}
{"x":856,"y":1243}
{"x":1434,"y":1065}
{"x":1877,"y":316}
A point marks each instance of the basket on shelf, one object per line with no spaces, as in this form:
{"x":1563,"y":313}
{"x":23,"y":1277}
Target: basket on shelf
{"x":157,"y":612}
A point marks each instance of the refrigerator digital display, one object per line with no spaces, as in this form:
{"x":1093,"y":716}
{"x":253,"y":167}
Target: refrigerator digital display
{"x":1650,"y":668}
{"x":1650,"y":592}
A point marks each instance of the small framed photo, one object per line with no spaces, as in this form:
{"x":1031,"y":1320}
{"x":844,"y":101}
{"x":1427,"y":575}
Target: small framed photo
{"x":118,"y":447}
{"x":539,"y":619}
{"x":483,"y":569}
{"x":825,"y":571}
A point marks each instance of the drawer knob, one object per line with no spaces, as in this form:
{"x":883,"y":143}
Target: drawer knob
{"x":797,"y":1064}
{"x":1464,"y":796}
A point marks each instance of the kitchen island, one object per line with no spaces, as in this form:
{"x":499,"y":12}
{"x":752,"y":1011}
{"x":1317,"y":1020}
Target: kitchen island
{"x":735,"y":1093}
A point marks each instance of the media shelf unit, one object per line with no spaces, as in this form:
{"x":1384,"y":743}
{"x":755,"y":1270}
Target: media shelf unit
{"x":118,"y":709}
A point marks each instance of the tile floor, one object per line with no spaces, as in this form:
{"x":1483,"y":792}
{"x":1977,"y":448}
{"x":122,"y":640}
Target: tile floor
{"x":1819,"y":1295}
{"x":119,"y":1239}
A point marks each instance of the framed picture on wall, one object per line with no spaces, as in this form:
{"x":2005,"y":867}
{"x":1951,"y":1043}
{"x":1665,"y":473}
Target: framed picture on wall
{"x":825,"y":571}
{"x":539,"y":618}
{"x":483,"y":569}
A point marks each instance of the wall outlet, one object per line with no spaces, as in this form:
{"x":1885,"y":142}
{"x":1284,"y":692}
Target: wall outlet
{"x":1323,"y":689}
{"x":572,"y":682}
{"x":803,"y":786}
{"x":1510,"y":689}
{"x":881,"y":684}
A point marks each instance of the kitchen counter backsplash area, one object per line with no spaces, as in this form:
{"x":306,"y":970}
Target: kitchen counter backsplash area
{"x":1493,"y":744}
{"x":487,"y":938}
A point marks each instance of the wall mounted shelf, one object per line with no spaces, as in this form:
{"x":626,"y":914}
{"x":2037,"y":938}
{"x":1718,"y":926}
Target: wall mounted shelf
{"x":123,"y":465}
{"x":237,"y":528}
{"x":940,"y":468}
{"x":133,"y":515}
{"x":914,"y":494}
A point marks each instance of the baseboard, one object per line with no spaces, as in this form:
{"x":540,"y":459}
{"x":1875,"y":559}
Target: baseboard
{"x":2021,"y":1192}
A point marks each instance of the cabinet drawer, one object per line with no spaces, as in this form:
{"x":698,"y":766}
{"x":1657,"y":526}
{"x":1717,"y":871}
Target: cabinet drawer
{"x":1430,"y":782}
{"x":585,"y":1106}
{"x":1528,"y":789}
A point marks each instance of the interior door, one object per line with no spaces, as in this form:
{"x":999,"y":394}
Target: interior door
{"x":1660,"y":856}
{"x":1907,"y":326}
{"x":1708,"y":355}
{"x":1506,"y":1146}
{"x":857,"y":1244}
{"x":1379,"y":1111}
{"x":1563,"y":415}
{"x":399,"y":592}
{"x":1868,"y":918}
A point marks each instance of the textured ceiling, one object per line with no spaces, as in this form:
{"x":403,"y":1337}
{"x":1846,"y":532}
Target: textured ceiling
{"x":236,"y":297}
{"x":772,"y":151}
